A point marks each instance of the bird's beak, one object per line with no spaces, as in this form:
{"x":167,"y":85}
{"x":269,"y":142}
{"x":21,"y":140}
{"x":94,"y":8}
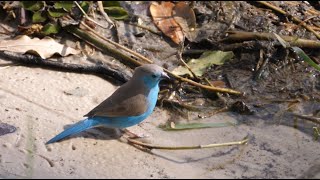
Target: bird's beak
{"x":164,"y":76}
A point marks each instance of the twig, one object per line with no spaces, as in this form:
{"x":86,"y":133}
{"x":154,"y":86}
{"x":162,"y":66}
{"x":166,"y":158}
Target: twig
{"x":247,"y":36}
{"x":183,"y":62}
{"x":100,"y":6}
{"x":171,"y":126}
{"x":92,"y":40}
{"x":309,"y":18}
{"x":7,"y":31}
{"x":117,"y":44}
{"x":316,"y":132}
{"x":23,"y":19}
{"x":114,"y":27}
{"x":87,"y":17}
{"x":151,"y":146}
{"x":146,"y":28}
{"x":210,"y":88}
{"x":103,"y":70}
{"x":248,"y":45}
{"x":282,"y":100}
{"x":309,"y":118}
{"x":259,"y":71}
{"x":275,"y":8}
{"x":208,"y":82}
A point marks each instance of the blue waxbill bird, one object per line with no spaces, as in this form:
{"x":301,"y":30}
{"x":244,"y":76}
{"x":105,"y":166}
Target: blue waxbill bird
{"x":130,"y":104}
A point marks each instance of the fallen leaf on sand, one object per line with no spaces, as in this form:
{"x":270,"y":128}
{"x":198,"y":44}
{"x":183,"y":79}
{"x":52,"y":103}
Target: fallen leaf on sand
{"x":162,"y":17}
{"x":184,"y":15}
{"x":45,"y":47}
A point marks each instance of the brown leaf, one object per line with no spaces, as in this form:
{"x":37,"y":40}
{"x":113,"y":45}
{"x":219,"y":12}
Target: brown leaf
{"x":218,"y":84}
{"x":162,"y":17}
{"x":45,"y":47}
{"x":29,"y":30}
{"x":185,"y":17}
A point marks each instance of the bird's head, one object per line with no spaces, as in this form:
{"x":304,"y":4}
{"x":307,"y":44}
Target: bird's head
{"x":150,"y":74}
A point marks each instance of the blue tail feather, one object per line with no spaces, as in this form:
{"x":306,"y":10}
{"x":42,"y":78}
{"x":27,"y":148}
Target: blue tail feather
{"x":77,"y":128}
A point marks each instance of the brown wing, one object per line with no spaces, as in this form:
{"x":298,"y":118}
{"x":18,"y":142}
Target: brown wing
{"x":122,"y":103}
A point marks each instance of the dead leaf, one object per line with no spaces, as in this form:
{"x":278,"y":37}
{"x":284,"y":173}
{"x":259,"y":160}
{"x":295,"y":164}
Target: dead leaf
{"x":45,"y":47}
{"x":29,"y":30}
{"x":218,"y":83}
{"x":185,"y":17}
{"x":208,"y":58}
{"x":162,"y":17}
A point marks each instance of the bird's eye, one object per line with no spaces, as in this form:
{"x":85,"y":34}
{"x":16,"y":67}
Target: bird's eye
{"x":154,"y":76}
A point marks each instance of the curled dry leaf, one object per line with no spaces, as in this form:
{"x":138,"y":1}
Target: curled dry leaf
{"x":45,"y":47}
{"x":162,"y":17}
{"x":184,"y":15}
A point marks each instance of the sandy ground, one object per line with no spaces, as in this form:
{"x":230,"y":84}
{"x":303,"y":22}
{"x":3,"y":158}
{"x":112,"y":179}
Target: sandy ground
{"x":41,"y":103}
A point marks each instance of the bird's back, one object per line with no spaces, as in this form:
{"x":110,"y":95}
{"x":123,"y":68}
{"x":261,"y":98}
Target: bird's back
{"x":128,"y":100}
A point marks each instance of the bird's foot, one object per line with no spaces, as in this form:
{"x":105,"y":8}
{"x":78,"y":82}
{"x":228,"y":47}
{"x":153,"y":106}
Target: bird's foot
{"x":133,"y":135}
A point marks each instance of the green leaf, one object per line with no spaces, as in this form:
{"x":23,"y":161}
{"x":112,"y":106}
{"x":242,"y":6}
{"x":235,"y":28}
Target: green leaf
{"x":39,"y":17}
{"x":50,"y":29}
{"x":32,"y":5}
{"x":66,"y":5}
{"x":173,"y":127}
{"x":84,"y":5}
{"x":316,"y":133}
{"x":111,"y":4}
{"x":305,"y":57}
{"x":208,"y":58}
{"x":56,"y":13}
{"x":117,"y":13}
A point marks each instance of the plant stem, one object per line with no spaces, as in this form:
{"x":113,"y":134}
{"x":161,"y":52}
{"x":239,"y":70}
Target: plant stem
{"x":151,"y":146}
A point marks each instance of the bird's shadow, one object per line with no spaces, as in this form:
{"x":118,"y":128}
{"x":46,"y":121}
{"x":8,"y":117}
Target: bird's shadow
{"x":105,"y":133}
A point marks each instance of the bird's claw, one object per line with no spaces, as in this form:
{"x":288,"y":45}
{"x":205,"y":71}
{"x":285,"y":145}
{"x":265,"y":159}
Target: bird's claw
{"x":132,"y":135}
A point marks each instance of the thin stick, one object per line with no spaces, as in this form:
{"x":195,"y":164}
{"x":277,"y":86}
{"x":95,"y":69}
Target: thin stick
{"x":261,"y":69}
{"x":207,"y":81}
{"x":90,"y":38}
{"x":100,"y":6}
{"x":98,"y":43}
{"x":316,"y":132}
{"x":151,"y":146}
{"x":247,"y":36}
{"x":105,"y":71}
{"x":117,"y":44}
{"x":146,"y":28}
{"x":309,"y":118}
{"x":184,"y":63}
{"x":7,"y":31}
{"x":275,"y":8}
{"x":87,"y":17}
{"x":210,"y":88}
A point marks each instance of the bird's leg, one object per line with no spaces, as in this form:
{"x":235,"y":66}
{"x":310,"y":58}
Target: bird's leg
{"x":132,"y":135}
{"x":118,"y":132}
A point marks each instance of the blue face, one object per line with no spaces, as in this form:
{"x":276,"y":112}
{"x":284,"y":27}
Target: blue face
{"x":152,"y":80}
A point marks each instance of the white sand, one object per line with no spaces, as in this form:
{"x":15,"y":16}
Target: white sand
{"x":40,"y":103}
